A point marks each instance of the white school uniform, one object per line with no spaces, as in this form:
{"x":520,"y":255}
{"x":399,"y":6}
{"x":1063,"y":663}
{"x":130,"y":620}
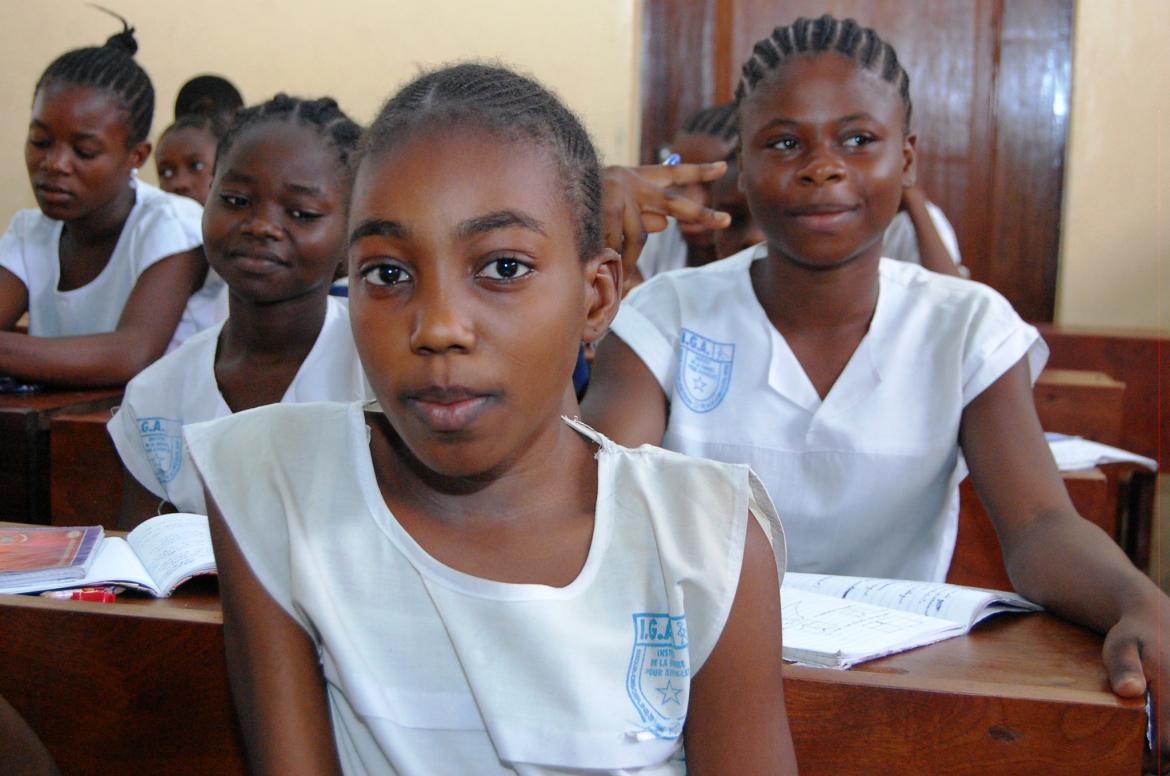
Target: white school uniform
{"x":159,"y":225}
{"x":180,"y":388}
{"x":432,"y":671}
{"x":901,"y":241}
{"x":866,"y":479}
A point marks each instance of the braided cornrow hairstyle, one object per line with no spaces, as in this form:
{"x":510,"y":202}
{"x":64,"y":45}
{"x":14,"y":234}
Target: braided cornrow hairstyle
{"x":110,"y":68}
{"x":718,"y":121}
{"x":321,"y":115}
{"x":513,"y":107}
{"x":816,"y":36}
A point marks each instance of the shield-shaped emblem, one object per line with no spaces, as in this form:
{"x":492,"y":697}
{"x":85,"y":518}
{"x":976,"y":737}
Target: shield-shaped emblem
{"x":704,"y":373}
{"x":162,"y":439}
{"x":659,"y":678}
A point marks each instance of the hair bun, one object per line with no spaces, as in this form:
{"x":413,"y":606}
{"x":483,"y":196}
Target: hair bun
{"x":124,"y":40}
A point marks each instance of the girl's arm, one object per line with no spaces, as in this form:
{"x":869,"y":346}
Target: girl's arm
{"x":145,"y":328}
{"x":931,"y":248}
{"x":623,"y":400}
{"x":737,"y":722}
{"x":1056,"y":557}
{"x":272,"y":665}
{"x":13,"y":300}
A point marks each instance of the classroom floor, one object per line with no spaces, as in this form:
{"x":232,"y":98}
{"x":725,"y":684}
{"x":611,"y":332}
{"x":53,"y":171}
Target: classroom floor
{"x":1160,"y":544}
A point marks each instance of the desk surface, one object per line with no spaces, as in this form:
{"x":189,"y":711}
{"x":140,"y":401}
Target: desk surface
{"x":1022,"y":694}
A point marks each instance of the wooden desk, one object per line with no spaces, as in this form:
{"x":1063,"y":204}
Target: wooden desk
{"x":85,"y":473}
{"x":1081,"y":402}
{"x":139,"y":687}
{"x":24,"y":447}
{"x":1138,"y":358}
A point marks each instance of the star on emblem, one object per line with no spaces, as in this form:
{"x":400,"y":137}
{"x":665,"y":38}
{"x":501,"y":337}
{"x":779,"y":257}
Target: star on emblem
{"x":670,"y":694}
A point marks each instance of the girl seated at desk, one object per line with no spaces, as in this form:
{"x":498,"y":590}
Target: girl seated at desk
{"x":570,"y":606}
{"x":109,"y":266}
{"x":859,"y":387}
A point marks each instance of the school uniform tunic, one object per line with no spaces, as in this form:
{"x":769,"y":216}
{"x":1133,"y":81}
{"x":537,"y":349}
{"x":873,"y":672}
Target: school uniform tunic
{"x":159,"y":225}
{"x":866,"y":479}
{"x":180,"y":388}
{"x":432,"y":671}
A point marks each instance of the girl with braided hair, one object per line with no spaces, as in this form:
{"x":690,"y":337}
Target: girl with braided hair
{"x":863,"y":389}
{"x":458,"y":578}
{"x":274,"y":229}
{"x":106,"y":268}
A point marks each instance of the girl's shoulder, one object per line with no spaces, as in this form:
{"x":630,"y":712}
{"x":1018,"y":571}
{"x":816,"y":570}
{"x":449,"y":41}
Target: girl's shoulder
{"x":31,"y":225}
{"x":916,"y":285}
{"x":155,"y":208}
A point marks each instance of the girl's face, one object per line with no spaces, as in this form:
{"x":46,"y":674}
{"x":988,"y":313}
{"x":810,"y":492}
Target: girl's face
{"x":274,"y":223}
{"x":77,"y":154}
{"x":467,"y":295}
{"x":824,"y":159}
{"x":185,"y":158}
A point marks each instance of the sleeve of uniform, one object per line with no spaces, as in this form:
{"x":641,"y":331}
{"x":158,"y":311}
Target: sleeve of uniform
{"x":124,"y":431}
{"x":12,"y":244}
{"x":700,"y":528}
{"x":649,"y":321}
{"x":996,"y":339}
{"x":946,"y":232}
{"x":233,"y":456}
{"x":169,"y":224}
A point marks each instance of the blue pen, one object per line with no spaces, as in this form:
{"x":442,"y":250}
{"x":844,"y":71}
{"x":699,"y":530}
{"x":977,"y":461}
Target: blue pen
{"x":671,"y":160}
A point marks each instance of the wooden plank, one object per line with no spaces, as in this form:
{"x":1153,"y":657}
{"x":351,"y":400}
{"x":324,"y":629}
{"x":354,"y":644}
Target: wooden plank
{"x":1081,"y":402}
{"x":119,"y":688}
{"x":24,"y":447}
{"x":1138,"y":358}
{"x":1020,"y":695}
{"x":85,"y":477}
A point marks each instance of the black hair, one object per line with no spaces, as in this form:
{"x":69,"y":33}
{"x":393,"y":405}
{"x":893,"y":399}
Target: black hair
{"x":717,"y":121}
{"x":513,"y":107}
{"x":110,"y":68}
{"x":321,"y":115}
{"x":207,"y":94}
{"x":205,"y":118}
{"x":827,"y":34}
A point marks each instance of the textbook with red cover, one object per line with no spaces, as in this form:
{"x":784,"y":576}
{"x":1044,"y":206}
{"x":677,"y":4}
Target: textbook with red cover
{"x":35,"y":553}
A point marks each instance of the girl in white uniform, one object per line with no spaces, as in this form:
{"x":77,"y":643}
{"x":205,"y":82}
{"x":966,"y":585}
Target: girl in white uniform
{"x":107,"y":266}
{"x":274,"y":228}
{"x":458,"y":579}
{"x":858,"y":386}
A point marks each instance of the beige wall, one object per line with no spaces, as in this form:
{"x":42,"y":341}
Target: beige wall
{"x":1115,"y":260}
{"x":1115,"y":241}
{"x":358,"y":51}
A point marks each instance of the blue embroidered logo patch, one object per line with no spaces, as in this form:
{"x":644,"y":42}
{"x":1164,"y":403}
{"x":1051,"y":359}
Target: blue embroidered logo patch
{"x":704,"y":373}
{"x":659,"y":677}
{"x":162,"y":440}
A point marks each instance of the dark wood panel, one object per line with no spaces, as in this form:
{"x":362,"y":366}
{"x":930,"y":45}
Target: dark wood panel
{"x":678,"y":66}
{"x":990,"y":83}
{"x":85,"y":473}
{"x":1034,"y":78}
